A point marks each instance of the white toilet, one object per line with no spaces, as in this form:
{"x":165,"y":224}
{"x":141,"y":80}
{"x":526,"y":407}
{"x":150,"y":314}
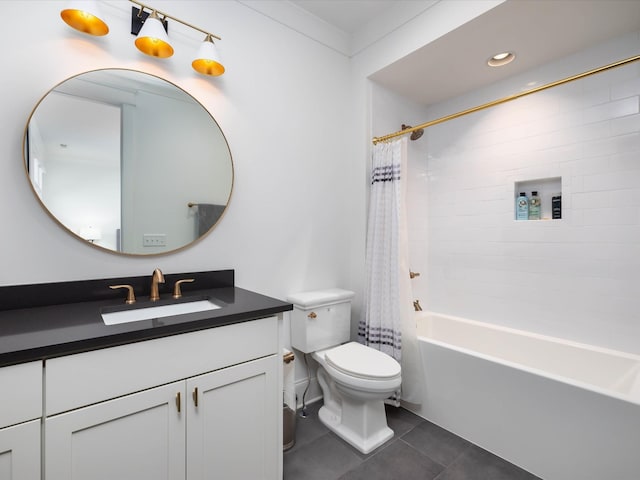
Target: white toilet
{"x":354,"y":379}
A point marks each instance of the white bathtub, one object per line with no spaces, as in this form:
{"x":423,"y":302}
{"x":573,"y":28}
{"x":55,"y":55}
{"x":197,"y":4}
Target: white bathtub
{"x":561,"y":410}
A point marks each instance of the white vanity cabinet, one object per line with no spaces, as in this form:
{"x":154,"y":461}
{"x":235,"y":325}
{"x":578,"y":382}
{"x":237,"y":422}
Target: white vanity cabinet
{"x":231,"y":428}
{"x":20,"y":421}
{"x":199,"y":405}
{"x":140,"y":435}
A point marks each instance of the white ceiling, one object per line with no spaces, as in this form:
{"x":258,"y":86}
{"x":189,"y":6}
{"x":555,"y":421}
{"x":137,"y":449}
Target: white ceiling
{"x":538,"y":31}
{"x":347,"y":15}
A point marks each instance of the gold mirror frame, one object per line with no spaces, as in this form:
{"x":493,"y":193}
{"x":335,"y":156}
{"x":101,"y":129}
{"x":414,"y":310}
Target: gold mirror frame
{"x":217,"y":162}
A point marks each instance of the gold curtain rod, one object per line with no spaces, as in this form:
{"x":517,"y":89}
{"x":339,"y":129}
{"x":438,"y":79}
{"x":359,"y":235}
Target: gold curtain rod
{"x":506,"y":99}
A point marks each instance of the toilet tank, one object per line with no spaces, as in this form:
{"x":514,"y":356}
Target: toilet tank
{"x":320,"y":319}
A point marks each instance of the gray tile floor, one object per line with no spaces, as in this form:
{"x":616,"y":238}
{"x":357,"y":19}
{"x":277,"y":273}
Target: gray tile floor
{"x":419,"y":450}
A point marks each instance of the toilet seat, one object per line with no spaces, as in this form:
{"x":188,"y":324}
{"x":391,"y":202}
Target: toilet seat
{"x":370,"y":385}
{"x":360,"y":361}
{"x":357,"y":361}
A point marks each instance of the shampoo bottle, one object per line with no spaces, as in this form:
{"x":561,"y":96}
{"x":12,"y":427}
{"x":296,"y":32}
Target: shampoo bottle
{"x":534,"y":206}
{"x":522,"y":207}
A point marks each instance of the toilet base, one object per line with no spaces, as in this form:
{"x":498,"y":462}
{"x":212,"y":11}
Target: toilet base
{"x":373,"y":440}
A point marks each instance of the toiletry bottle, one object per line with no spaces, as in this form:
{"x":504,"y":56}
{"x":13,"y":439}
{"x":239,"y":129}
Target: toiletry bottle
{"x":556,"y":205}
{"x":534,"y":206}
{"x":522,"y":207}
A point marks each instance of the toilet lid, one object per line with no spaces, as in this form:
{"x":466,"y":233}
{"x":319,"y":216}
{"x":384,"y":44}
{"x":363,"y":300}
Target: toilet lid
{"x":361,"y":361}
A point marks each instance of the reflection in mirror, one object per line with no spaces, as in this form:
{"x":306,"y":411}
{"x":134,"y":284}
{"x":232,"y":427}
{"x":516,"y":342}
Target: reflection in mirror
{"x":129,"y":162}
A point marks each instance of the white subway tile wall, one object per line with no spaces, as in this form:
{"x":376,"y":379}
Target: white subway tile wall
{"x":578,"y":277}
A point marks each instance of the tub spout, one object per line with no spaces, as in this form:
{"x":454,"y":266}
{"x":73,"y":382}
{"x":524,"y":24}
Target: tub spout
{"x":416,"y":306}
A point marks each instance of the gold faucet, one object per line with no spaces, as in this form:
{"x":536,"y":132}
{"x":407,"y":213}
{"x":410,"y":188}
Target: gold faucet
{"x":177,"y":292}
{"x":156,"y":278}
{"x":131,"y":298}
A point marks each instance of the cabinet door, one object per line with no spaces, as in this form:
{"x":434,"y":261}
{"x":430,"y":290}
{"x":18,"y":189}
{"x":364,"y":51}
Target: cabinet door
{"x":21,"y":393}
{"x":135,"y":437}
{"x":232,"y":432}
{"x":20,"y":451}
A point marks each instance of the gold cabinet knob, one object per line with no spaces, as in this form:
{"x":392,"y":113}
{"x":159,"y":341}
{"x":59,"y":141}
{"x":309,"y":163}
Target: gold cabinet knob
{"x":312,"y":315}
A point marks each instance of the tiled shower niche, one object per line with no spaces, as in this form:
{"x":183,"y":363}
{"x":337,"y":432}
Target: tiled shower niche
{"x":547,"y":188}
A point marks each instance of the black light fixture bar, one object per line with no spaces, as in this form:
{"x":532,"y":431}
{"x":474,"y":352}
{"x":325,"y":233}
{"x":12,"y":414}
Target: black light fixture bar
{"x":138,"y":17}
{"x":164,"y":20}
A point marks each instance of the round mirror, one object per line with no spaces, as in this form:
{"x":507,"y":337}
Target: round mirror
{"x":128,"y":162}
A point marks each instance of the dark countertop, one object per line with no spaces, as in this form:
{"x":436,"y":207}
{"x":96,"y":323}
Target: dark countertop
{"x":47,"y":331}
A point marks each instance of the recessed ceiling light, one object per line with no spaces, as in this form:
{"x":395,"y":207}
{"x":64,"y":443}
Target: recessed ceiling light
{"x":501,"y":59}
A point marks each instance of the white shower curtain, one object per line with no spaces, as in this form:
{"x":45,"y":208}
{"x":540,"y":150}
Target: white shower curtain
{"x":389,"y":323}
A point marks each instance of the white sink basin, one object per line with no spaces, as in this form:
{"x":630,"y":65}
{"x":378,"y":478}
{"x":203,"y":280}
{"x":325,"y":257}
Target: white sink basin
{"x":147,"y":313}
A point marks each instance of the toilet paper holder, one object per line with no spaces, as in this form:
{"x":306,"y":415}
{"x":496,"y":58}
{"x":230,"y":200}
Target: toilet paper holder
{"x":288,"y":357}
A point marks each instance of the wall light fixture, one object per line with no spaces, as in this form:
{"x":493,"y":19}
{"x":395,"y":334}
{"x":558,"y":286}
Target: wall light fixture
{"x":207,"y":60}
{"x":85,"y":17}
{"x":152,"y":38}
{"x":150,"y":30}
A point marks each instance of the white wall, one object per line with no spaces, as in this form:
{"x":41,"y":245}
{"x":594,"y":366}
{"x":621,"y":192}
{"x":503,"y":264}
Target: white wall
{"x":298,"y":118}
{"x":284,"y":117}
{"x":574,"y":278}
{"x":294,"y":110}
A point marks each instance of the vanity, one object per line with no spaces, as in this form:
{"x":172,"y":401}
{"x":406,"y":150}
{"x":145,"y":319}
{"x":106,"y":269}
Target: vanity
{"x":185,"y":396}
{"x":182,"y":382}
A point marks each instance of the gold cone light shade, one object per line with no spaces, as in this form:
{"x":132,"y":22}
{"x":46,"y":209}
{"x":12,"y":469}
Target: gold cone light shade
{"x":207,"y":60}
{"x":85,"y":17}
{"x":152,"y":39}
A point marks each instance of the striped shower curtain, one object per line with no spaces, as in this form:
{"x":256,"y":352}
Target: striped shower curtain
{"x":389,"y":321}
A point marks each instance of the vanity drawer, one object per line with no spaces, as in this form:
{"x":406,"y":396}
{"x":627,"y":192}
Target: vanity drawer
{"x":21,"y":387}
{"x":86,"y":378}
